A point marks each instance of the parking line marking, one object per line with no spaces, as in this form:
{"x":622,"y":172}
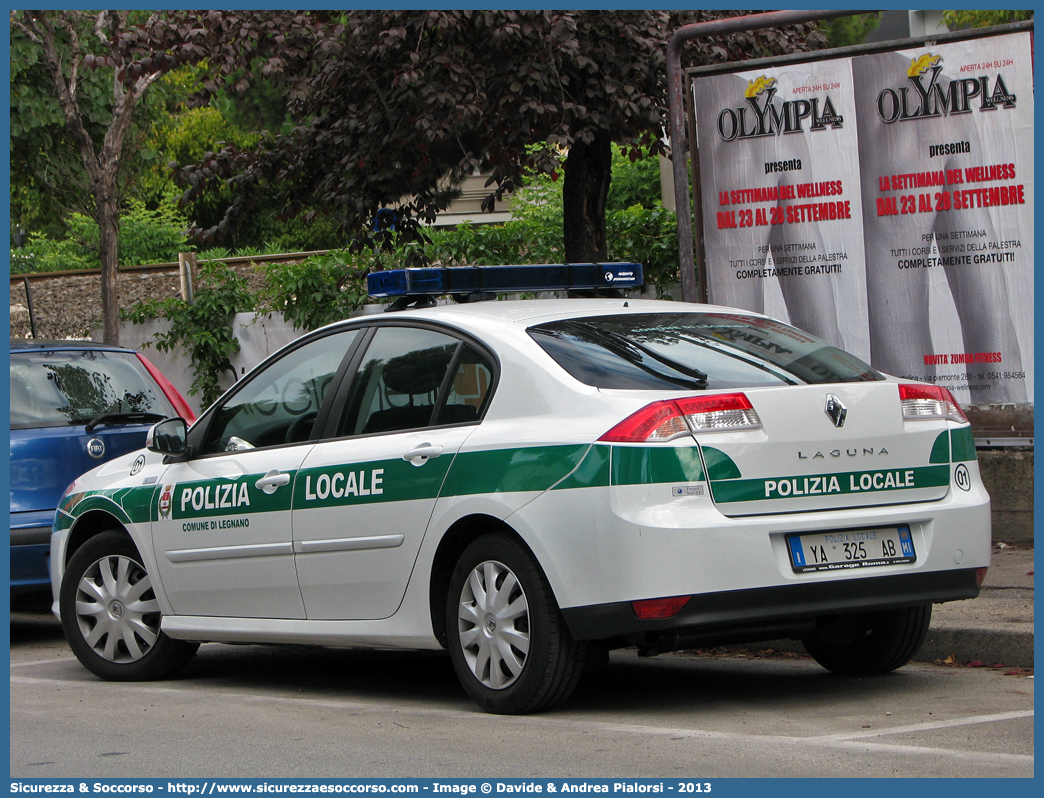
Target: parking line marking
{"x":930,"y":725}
{"x":852,"y":741}
{"x":41,"y":662}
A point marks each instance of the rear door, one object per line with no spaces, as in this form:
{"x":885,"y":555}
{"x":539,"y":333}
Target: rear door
{"x":362,"y":501}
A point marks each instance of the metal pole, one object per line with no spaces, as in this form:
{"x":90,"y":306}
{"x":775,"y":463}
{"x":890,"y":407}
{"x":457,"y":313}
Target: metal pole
{"x":29,"y":302}
{"x":187,"y":268}
{"x":676,"y":108}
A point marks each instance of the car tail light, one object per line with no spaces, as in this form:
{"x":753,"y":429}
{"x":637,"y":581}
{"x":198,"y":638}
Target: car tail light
{"x":663,"y":421}
{"x":922,"y":402}
{"x":721,"y":412}
{"x":650,"y":609}
{"x":181,"y":407}
{"x":660,"y":421}
{"x":980,"y":576}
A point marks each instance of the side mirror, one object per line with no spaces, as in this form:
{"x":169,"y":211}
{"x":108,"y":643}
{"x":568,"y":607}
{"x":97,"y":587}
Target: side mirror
{"x":169,"y":436}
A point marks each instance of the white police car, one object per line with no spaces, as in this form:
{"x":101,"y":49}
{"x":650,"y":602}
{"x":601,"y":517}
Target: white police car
{"x":527,"y":482}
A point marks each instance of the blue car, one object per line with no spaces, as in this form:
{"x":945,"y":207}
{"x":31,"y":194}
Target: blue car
{"x":74,"y":405}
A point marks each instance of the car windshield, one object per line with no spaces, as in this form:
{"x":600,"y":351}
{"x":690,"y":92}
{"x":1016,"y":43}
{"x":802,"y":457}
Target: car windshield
{"x":51,"y":389}
{"x":694,"y":351}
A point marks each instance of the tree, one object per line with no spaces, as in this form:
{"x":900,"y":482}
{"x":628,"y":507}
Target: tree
{"x":849,"y":31}
{"x":63,"y":40}
{"x":132,"y":51}
{"x":396,"y":107}
{"x":48,"y":179}
{"x":983,"y":19}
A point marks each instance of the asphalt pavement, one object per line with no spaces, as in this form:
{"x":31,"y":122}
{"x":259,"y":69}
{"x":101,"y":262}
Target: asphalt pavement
{"x":997,"y":627}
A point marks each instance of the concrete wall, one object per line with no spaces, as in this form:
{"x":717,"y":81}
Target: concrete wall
{"x":258,"y":338}
{"x":1008,"y":475}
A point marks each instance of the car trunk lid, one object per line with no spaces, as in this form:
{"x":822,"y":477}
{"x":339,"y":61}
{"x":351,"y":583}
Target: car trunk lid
{"x":825,"y":447}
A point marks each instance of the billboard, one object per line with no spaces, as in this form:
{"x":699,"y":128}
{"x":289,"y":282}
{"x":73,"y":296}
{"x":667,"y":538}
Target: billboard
{"x":885,"y":203}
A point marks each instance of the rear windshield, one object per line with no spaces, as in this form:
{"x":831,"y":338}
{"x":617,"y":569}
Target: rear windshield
{"x":51,"y":389}
{"x":694,"y":351}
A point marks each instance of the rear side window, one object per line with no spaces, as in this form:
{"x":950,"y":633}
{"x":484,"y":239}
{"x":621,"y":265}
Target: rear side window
{"x":398,"y":383}
{"x":53,"y":389}
{"x":469,"y":391}
{"x":694,"y":351}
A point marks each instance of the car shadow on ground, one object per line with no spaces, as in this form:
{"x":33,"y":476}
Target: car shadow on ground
{"x":32,"y":624}
{"x":724,"y":681}
{"x":626,"y":683}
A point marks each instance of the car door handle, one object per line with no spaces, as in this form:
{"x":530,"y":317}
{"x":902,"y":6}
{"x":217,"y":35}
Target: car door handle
{"x":419,"y":455}
{"x":272,"y":480}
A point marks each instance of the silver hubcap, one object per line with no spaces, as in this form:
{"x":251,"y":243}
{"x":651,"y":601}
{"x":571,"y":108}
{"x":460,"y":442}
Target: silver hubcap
{"x":493,"y":623}
{"x":116,"y":610}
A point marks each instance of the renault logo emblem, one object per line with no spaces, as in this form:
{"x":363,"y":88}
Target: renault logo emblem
{"x":837,"y":411}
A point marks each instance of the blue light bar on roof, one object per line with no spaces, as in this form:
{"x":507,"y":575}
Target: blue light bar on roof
{"x":503,"y":279}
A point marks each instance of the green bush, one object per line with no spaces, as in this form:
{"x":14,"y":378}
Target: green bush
{"x":648,"y":236}
{"x":643,"y":232}
{"x":44,"y":254}
{"x":320,"y":290}
{"x":634,"y":183}
{"x":204,"y":328}
{"x":145,"y":236}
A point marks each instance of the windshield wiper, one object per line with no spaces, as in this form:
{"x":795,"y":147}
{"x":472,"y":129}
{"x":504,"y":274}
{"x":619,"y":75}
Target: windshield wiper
{"x":637,"y":354}
{"x":736,"y":354}
{"x":122,"y":418}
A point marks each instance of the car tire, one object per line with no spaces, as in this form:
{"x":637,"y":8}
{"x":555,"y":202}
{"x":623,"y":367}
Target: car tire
{"x":872,"y":642}
{"x":110,"y":614}
{"x":509,"y":644}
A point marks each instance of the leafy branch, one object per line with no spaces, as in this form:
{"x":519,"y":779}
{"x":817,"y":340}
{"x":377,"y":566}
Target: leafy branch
{"x":204,"y":328}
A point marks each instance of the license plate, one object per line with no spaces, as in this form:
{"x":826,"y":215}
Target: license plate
{"x":851,"y":548}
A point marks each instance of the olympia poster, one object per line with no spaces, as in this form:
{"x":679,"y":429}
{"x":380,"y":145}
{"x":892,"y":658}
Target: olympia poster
{"x":883,"y":202}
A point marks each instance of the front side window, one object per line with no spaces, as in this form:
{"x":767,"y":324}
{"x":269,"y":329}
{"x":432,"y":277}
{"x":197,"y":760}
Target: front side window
{"x":694,"y":351}
{"x":53,"y":389}
{"x":399,"y":381}
{"x":280,"y":404}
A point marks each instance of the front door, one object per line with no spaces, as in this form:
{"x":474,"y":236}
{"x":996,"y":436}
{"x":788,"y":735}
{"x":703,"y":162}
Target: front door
{"x":223,"y":538}
{"x":223,"y":543}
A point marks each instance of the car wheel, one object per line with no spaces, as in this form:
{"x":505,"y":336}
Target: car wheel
{"x":507,"y":639}
{"x":872,"y":642}
{"x":110,"y":614}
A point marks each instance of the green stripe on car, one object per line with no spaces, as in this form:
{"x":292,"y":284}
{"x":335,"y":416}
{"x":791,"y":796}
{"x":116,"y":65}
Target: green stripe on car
{"x":635,"y":465}
{"x":940,"y":449}
{"x":535,"y":468}
{"x":644,"y":465}
{"x":368,"y":483}
{"x":719,"y":464}
{"x":962,"y":442}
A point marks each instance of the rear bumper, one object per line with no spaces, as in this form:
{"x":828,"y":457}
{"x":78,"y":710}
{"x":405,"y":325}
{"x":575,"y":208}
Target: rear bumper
{"x":769,"y":612}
